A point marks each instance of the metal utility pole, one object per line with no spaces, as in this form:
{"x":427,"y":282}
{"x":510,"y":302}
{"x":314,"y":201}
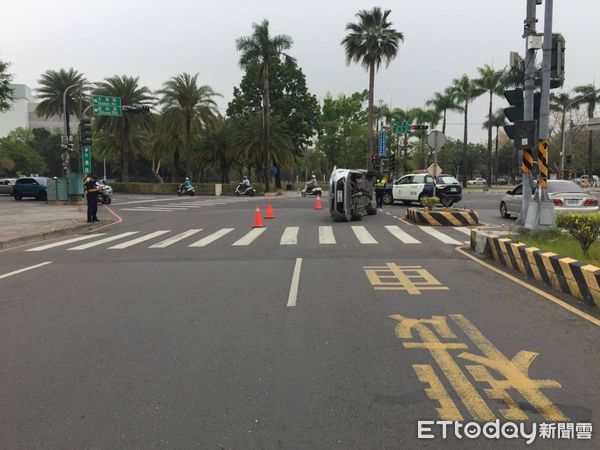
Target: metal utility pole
{"x":541,"y":215}
{"x":528,"y":87}
{"x":66,"y":130}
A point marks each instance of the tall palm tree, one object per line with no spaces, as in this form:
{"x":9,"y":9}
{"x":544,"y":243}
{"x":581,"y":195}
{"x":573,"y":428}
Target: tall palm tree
{"x":52,"y":87}
{"x":497,"y":120}
{"x":442,"y":102}
{"x":262,"y":48}
{"x":490,"y":81}
{"x":590,"y":95}
{"x":369,"y":42}
{"x":561,"y":103}
{"x":124,"y":129}
{"x":215,"y":146}
{"x":187,"y":107}
{"x":465,"y":90}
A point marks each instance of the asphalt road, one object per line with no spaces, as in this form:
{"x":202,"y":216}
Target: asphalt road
{"x":154,"y":343}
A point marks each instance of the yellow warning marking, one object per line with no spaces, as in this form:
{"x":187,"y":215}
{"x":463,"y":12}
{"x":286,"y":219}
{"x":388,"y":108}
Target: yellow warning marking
{"x":412,"y":279}
{"x":492,"y":373}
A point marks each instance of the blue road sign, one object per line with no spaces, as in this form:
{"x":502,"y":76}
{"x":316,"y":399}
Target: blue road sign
{"x":382,"y":143}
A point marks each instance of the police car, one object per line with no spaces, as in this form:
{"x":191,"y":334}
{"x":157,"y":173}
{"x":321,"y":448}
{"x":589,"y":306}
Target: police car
{"x":413,"y":187}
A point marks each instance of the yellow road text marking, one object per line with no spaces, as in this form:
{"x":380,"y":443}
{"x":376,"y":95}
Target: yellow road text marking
{"x":412,"y":279}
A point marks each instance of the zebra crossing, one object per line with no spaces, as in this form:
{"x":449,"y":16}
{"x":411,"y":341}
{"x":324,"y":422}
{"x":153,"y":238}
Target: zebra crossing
{"x":175,"y":206}
{"x":290,"y":236}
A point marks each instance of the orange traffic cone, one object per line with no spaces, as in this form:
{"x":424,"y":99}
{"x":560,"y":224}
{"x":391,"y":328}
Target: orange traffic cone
{"x":258,"y":223}
{"x":318,"y":203}
{"x":269,"y":214}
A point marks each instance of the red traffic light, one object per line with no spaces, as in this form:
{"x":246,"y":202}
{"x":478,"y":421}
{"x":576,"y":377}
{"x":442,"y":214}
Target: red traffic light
{"x":419,"y":127}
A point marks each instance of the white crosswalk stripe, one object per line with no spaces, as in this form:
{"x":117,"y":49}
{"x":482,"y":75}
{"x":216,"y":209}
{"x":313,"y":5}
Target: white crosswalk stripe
{"x":142,"y":209}
{"x":363,"y":236}
{"x":138,"y":240}
{"x":464,"y":230}
{"x":212,"y":237}
{"x":176,"y":238}
{"x":401,"y":235}
{"x":59,"y":243}
{"x":440,"y":236}
{"x":249,"y":237}
{"x":103,"y":241}
{"x":289,"y":236}
{"x":326,"y":235}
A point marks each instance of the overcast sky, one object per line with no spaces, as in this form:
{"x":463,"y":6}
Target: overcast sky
{"x":157,"y":39}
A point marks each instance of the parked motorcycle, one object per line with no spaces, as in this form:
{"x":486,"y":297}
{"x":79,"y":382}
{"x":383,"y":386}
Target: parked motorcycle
{"x":182,"y":190}
{"x":314,"y":191}
{"x":245,"y":190}
{"x":105,"y":194}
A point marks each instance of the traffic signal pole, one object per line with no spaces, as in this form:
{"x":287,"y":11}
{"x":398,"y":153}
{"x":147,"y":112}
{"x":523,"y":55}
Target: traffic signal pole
{"x":528,"y":88}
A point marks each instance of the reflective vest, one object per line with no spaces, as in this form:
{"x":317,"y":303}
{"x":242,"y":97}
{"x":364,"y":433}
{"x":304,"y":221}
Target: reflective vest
{"x":380,"y":183}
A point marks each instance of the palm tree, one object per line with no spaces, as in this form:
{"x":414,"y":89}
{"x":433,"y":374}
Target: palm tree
{"x":215,"y":146}
{"x":52,"y":87}
{"x":187,"y":107}
{"x":370,"y":42}
{"x":262,"y":48}
{"x":561,"y":103}
{"x":497,"y":120}
{"x":124,"y":129}
{"x":490,"y":81}
{"x":589,"y":95}
{"x":465,"y":90}
{"x":442,"y":102}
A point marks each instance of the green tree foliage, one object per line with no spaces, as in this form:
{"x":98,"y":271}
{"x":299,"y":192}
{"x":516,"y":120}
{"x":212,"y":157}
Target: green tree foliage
{"x":123,"y":134}
{"x":442,"y":102}
{"x":371,"y":41}
{"x":48,"y":145}
{"x":215,"y":145}
{"x":18,"y":155}
{"x":261,"y":48}
{"x":343,"y":135}
{"x":585,"y":228}
{"x":6,"y":92}
{"x":497,"y":121}
{"x":188,"y":107}
{"x":589,"y":95}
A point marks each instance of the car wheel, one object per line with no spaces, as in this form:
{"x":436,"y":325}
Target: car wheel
{"x":388,"y":199}
{"x":17,"y":196}
{"x":107,"y":201}
{"x":503,"y":211}
{"x":371,"y":211}
{"x":42,"y":196}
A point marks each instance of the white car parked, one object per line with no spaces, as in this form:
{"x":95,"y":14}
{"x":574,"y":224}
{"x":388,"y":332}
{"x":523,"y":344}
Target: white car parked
{"x":476,"y":181}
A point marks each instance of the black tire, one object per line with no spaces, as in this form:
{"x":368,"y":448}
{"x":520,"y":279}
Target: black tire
{"x":388,"y":198}
{"x":192,"y":193}
{"x":371,"y":211}
{"x":303,"y":193}
{"x":179,"y":193}
{"x":42,"y":196}
{"x":503,"y":211}
{"x":251,"y":193}
{"x":17,"y":195}
{"x":237,"y":194}
{"x":107,"y":200}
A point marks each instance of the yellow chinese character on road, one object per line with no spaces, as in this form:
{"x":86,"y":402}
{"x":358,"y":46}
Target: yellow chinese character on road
{"x":412,"y":279}
{"x":512,"y":374}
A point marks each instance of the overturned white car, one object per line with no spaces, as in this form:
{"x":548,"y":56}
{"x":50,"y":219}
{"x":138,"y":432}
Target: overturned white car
{"x":351,"y":194}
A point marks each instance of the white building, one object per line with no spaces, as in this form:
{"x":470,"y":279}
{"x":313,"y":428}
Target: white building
{"x":22,"y":114}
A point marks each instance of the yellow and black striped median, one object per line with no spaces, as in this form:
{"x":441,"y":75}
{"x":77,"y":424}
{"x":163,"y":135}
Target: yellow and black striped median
{"x":442,"y":218}
{"x":564,"y":274}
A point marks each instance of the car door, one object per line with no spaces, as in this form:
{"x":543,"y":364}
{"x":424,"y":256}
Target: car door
{"x":416,"y":187}
{"x":399,"y":190}
{"x":514,"y":200}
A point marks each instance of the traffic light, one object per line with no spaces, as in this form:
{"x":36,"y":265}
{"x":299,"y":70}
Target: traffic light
{"x":557,"y":61}
{"x":136,"y":109}
{"x":376,"y":160}
{"x":85,"y":132}
{"x":515,"y":112}
{"x":392,"y":162}
{"x":419,"y":127}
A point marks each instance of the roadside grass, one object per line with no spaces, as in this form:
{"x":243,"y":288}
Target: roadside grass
{"x":563,"y":244}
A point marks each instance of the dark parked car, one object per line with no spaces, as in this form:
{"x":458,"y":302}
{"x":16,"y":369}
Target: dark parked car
{"x":36,"y":187}
{"x":501,"y":181}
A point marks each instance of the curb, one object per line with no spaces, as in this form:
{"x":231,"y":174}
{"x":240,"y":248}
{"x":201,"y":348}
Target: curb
{"x":52,"y":234}
{"x":443,"y":218}
{"x":566,"y":275}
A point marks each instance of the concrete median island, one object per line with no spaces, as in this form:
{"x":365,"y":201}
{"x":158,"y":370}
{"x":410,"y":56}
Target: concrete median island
{"x":443,"y":218}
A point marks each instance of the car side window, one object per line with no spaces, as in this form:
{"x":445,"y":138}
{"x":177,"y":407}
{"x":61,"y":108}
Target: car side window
{"x":518,"y":190}
{"x":406,"y":180}
{"x":428,"y":179}
{"x":418,"y":179}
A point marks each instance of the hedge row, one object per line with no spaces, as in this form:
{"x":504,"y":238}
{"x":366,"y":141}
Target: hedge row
{"x":171,"y":188}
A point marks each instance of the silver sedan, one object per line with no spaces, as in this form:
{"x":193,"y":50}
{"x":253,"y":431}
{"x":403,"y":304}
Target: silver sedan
{"x":566,"y":195}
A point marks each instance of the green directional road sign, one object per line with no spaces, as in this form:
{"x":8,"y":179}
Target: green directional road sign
{"x":107,"y":106}
{"x":86,"y":159}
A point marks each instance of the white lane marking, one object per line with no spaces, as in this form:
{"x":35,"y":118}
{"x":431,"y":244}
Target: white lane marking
{"x":464,"y":230}
{"x":135,"y":241}
{"x":295,"y":283}
{"x":25,"y":269}
{"x":59,"y":243}
{"x":363,"y":236}
{"x":211,"y":237}
{"x":326,"y":235}
{"x":154,"y":200}
{"x":176,"y":238}
{"x":249,"y":237}
{"x":289,"y":236}
{"x":402,"y":235}
{"x":468,"y":242}
{"x":103,"y":241}
{"x":441,"y":236}
{"x":142,"y":209}
{"x":171,"y":207}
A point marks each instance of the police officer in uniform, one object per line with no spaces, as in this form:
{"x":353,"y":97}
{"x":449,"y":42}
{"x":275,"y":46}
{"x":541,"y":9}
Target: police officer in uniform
{"x":92,"y":192}
{"x":379,"y":190}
